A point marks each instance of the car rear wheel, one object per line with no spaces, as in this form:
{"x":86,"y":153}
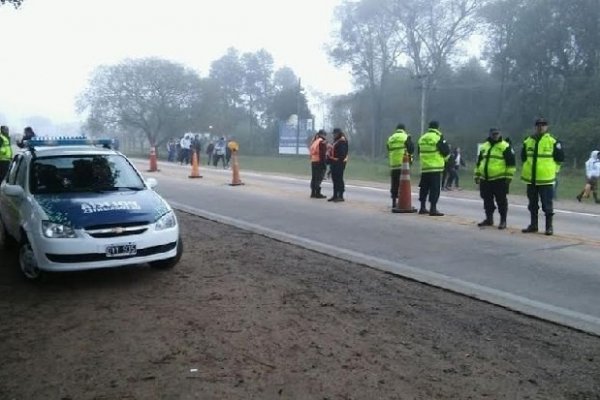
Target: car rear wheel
{"x":169,"y":262}
{"x":28,"y":263}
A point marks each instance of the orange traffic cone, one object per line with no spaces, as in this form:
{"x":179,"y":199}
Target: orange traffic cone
{"x":153,"y":166}
{"x":195,"y":168}
{"x":404,"y":199}
{"x":235,"y":169}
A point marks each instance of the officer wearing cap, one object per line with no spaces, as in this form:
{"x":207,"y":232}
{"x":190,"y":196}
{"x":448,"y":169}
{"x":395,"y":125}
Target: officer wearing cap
{"x":541,"y":155}
{"x":398,"y":144}
{"x":318,"y":159}
{"x":493,"y":172}
{"x":434,"y":152}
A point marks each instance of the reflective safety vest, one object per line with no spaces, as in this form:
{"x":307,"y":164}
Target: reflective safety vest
{"x":396,"y":146}
{"x":315,"y":146}
{"x":431,"y":159}
{"x":5,"y":149}
{"x":539,"y":168}
{"x":493,"y":165}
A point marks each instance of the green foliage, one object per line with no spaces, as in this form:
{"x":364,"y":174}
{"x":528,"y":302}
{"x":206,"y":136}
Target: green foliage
{"x":15,"y":3}
{"x":154,"y":97}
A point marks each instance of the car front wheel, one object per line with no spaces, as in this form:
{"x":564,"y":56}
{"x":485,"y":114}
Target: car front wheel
{"x":169,"y":262}
{"x":28,"y":263}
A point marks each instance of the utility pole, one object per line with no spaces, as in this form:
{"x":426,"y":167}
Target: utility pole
{"x":298,"y":119}
{"x":423,"y":92}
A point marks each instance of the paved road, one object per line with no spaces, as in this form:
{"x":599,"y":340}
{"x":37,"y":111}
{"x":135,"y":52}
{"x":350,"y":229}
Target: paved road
{"x":555,"y":278}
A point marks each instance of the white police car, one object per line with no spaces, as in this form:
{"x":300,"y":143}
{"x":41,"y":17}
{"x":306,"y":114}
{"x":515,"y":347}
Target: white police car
{"x":75,"y":204}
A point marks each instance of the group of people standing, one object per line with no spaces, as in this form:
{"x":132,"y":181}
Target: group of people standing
{"x":182,"y":150}
{"x":541,"y":157}
{"x":334,"y":155}
{"x":6,"y":153}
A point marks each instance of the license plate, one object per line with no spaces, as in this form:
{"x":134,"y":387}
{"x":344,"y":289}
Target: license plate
{"x":119,"y":250}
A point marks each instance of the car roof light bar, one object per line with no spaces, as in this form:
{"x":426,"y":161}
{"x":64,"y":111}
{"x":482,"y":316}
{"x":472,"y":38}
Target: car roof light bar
{"x":67,"y":141}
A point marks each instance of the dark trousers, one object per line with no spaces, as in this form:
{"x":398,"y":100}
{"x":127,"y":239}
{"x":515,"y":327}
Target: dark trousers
{"x":3,"y":169}
{"x":545,"y":194}
{"x":395,"y":182}
{"x":318,"y":173}
{"x":337,"y":176}
{"x":430,"y":184}
{"x":452,"y":178}
{"x":217,"y":157}
{"x":490,"y":190}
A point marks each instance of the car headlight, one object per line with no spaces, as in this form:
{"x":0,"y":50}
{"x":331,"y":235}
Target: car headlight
{"x":57,"y":231}
{"x":166,"y":221}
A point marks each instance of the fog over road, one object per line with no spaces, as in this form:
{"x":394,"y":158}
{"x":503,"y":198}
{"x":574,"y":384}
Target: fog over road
{"x":555,"y":278}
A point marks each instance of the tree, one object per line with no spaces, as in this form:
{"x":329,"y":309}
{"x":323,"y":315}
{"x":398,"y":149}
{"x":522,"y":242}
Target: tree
{"x":368,"y":41}
{"x":545,"y":53}
{"x":15,"y":3}
{"x":432,"y":30}
{"x":284,"y":78}
{"x":152,"y":96}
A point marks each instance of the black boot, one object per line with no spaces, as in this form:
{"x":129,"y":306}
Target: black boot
{"x":434,"y":212}
{"x":393,"y":202}
{"x":549,"y":229}
{"x":533,"y":225}
{"x":579,"y":196}
{"x":423,"y":209}
{"x":320,"y":195}
{"x":502,"y":224}
{"x":488,"y":221}
{"x":313,"y":194}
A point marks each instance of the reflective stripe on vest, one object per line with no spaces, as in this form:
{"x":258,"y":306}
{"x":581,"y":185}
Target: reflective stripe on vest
{"x":396,"y":145}
{"x":431,"y":159}
{"x":539,"y":168}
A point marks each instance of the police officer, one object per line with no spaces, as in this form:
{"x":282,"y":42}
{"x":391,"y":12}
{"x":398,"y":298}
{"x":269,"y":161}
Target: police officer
{"x":28,"y":134}
{"x":337,"y":163}
{"x":541,"y":156}
{"x":398,"y":144}
{"x":318,"y":153}
{"x":5,"y":151}
{"x":494,"y":171}
{"x":434,"y":152}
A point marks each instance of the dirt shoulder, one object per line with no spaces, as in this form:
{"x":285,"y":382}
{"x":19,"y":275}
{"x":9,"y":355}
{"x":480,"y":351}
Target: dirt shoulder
{"x":246,"y":317}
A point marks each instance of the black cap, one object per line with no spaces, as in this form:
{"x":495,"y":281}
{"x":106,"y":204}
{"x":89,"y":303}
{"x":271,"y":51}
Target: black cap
{"x":400,"y":126}
{"x":322,"y":132}
{"x":494,"y":130}
{"x":540,"y":122}
{"x":337,"y":131}
{"x":434,"y":124}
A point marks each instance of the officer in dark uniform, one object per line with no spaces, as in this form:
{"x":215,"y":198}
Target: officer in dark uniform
{"x":337,"y":163}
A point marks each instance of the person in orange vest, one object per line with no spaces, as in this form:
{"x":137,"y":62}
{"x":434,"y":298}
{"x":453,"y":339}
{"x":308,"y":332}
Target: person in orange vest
{"x":337,"y":164}
{"x":318,"y":151}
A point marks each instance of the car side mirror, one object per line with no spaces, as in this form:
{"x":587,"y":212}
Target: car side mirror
{"x":151,"y":182}
{"x":14,"y":191}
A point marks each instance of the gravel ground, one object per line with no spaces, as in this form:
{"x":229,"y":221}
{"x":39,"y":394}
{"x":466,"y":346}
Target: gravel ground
{"x":246,"y":317}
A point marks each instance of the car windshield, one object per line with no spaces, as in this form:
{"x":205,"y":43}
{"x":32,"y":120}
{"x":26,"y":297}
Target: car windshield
{"x":83,"y":173}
